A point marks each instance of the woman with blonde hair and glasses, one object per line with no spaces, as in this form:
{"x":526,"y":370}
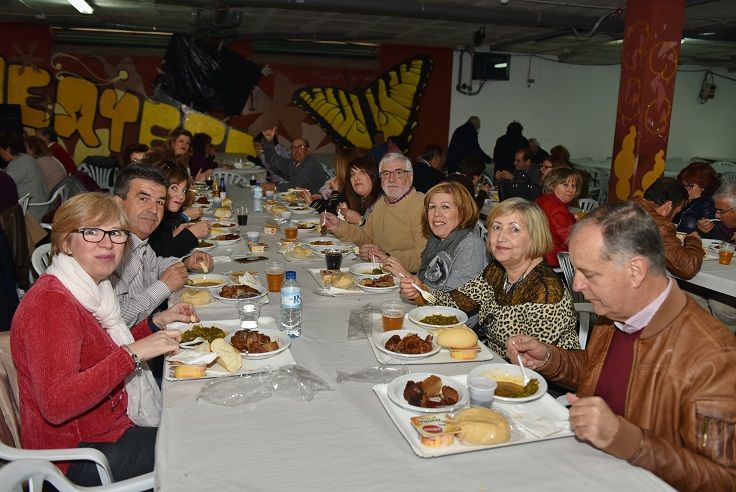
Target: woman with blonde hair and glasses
{"x":517,"y":293}
{"x":82,"y":373}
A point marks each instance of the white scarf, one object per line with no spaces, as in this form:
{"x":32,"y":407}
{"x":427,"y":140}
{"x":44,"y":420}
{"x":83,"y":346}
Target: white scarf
{"x":144,"y":395}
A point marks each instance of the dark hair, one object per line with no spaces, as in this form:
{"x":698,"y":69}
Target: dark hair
{"x":172,"y":171}
{"x":432,"y":151}
{"x":130,"y":150}
{"x":366,"y":164}
{"x":137,"y":170}
{"x":200,"y":141}
{"x":701,"y":174}
{"x":472,"y":166}
{"x":559,"y":152}
{"x":37,"y":146}
{"x":49,"y":133}
{"x":665,"y":190}
{"x":627,"y":230}
{"x":306,"y":142}
{"x":12,"y":142}
{"x":514,"y":127}
{"x":526,"y":153}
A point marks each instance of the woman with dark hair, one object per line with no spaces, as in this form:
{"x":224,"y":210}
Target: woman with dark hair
{"x":178,"y":148}
{"x":336,"y":185}
{"x":174,"y":236}
{"x":362,"y":191}
{"x":701,"y":181}
{"x":202,"y":162}
{"x":471,"y":171}
{"x":137,"y":152}
{"x":559,"y":188}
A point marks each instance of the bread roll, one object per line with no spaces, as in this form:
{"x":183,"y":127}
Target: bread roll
{"x":343,"y":280}
{"x":196,"y":297}
{"x":227,"y":203}
{"x":227,"y":355}
{"x":481,"y":426}
{"x":223,"y":213}
{"x":458,"y":337}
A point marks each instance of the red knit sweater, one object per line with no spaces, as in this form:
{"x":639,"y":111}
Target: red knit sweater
{"x":560,"y":222}
{"x":70,"y":372}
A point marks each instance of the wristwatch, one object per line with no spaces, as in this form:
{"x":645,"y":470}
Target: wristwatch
{"x":134,"y":356}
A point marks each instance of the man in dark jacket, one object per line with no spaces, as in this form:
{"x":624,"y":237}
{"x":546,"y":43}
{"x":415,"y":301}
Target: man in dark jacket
{"x":507,"y":145}
{"x":464,"y":143}
{"x":428,"y":169}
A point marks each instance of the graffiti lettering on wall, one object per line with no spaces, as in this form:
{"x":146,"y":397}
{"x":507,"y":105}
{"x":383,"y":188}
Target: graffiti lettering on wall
{"x":96,"y":117}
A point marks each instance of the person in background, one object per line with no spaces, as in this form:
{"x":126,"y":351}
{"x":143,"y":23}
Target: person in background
{"x":662,"y":200}
{"x":202,"y":163}
{"x":8,"y":191}
{"x":538,"y":153}
{"x":83,"y":377}
{"x":302,"y":170}
{"x":137,"y":152}
{"x":701,"y":181}
{"x":335,"y":187}
{"x":552,"y":163}
{"x":429,"y":169}
{"x":724,"y":207}
{"x":655,"y":385}
{"x":379,"y":145}
{"x":144,"y":280}
{"x":362,"y":191}
{"x":175,"y":236}
{"x":507,"y":145}
{"x":517,"y":293}
{"x":559,"y":188}
{"x":177,"y":148}
{"x":394,"y":227}
{"x":470,"y":175}
{"x":454,"y":253}
{"x":464,"y":143}
{"x":53,"y":170}
{"x":393,"y":145}
{"x":526,"y":171}
{"x":25,"y":171}
{"x":49,"y":136}
{"x":560,"y":156}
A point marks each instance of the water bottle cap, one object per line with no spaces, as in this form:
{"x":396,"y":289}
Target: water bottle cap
{"x":290,"y":275}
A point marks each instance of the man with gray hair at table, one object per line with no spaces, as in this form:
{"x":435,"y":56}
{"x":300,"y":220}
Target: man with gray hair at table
{"x":394,"y":227}
{"x":655,"y":385}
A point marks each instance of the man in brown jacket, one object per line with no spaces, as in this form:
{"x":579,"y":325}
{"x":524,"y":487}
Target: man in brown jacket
{"x":662,"y":201}
{"x":655,"y":385}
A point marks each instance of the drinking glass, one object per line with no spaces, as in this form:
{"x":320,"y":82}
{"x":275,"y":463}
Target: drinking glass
{"x":242,"y":216}
{"x":275,"y":275}
{"x":333,"y":259}
{"x":249,"y":310}
{"x":725,"y":253}
{"x":291,"y":229}
{"x":392,"y":313}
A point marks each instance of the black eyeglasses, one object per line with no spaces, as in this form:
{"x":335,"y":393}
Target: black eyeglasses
{"x":724,"y":212}
{"x":95,"y":235}
{"x":300,"y":146}
{"x":690,"y":186}
{"x":398,"y":174}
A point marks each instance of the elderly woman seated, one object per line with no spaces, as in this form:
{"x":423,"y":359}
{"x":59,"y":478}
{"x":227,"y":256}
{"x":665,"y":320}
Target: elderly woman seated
{"x":454,"y":254}
{"x":559,"y":187}
{"x":82,"y":373}
{"x":517,"y":293}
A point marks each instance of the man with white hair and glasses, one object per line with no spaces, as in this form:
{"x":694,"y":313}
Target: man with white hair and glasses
{"x":394,"y":227}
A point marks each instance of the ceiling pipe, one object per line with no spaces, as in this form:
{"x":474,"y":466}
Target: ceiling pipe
{"x":417,"y":9}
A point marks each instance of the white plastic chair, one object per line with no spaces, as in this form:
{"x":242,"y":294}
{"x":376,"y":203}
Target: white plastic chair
{"x":41,"y":258}
{"x":61,"y":192}
{"x":587,"y":204}
{"x":34,"y":472}
{"x":582,"y":307}
{"x":23,"y":202}
{"x":101,"y":175}
{"x":480,"y":229}
{"x":229,"y":177}
{"x":726,"y":170}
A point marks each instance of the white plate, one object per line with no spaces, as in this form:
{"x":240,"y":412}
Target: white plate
{"x":215,"y":291}
{"x":277,"y":335}
{"x":213,"y":245}
{"x":380,"y":340}
{"x":210,"y":277}
{"x":364,"y":269}
{"x":417,"y":314}
{"x":512,"y":373}
{"x":396,"y":392}
{"x":226,"y":242}
{"x":225,"y":226}
{"x":376,"y":290}
{"x":334,"y":243}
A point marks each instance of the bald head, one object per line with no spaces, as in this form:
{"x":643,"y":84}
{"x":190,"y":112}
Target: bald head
{"x":475,"y":121}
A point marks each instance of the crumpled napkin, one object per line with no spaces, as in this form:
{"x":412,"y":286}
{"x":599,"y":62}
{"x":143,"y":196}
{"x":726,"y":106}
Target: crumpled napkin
{"x":220,"y":259}
{"x":534,"y":423}
{"x":194,"y":358}
{"x":248,"y":278}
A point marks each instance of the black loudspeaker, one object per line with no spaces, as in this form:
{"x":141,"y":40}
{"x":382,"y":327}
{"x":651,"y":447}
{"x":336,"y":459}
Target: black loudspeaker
{"x":10,"y":119}
{"x":491,"y":66}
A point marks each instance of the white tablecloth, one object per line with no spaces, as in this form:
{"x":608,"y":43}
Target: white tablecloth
{"x":717,"y":277}
{"x":343,"y":439}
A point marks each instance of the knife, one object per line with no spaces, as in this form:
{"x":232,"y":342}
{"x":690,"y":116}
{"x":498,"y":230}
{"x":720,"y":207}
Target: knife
{"x":250,"y":259}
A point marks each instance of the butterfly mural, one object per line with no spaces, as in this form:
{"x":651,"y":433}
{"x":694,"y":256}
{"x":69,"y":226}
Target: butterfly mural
{"x":389,"y":103}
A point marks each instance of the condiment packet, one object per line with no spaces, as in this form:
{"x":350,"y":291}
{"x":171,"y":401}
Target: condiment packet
{"x":431,"y":426}
{"x":194,"y":358}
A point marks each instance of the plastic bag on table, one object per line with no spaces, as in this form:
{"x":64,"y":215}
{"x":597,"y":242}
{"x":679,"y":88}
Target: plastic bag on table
{"x":375,"y":374}
{"x":293,"y":382}
{"x":360,"y":324}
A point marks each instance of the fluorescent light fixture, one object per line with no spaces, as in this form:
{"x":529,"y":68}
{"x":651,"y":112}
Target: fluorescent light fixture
{"x":82,"y":6}
{"x":501,"y":65}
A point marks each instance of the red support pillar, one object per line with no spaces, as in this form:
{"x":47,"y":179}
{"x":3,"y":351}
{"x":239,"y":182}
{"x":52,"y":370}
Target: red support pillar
{"x":651,"y":50}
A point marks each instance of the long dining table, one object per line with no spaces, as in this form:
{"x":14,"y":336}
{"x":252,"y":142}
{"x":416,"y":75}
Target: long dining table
{"x":343,"y":439}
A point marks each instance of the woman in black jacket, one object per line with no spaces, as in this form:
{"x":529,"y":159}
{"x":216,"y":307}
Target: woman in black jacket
{"x":701,"y":181}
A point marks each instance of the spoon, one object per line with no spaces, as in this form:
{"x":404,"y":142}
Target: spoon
{"x":523,"y":371}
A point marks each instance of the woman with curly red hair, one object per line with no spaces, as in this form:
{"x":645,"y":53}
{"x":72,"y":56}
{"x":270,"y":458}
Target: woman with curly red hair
{"x":701,"y":181}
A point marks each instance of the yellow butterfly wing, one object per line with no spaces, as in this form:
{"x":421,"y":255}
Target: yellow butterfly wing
{"x":389,"y":103}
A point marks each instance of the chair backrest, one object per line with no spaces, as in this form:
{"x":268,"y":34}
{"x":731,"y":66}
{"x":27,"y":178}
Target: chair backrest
{"x":510,"y":189}
{"x":229,"y":177}
{"x":728,"y":177}
{"x":582,"y":308}
{"x":587,"y":204}
{"x":102,"y":175}
{"x":23,"y":202}
{"x":480,"y":229}
{"x":41,"y":258}
{"x":568,"y":270}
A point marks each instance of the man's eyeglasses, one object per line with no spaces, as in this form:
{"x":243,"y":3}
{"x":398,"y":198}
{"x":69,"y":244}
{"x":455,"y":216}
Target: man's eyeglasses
{"x":690,"y":186}
{"x":398,"y":174}
{"x":96,"y":235}
{"x":724,"y":212}
{"x":300,"y":146}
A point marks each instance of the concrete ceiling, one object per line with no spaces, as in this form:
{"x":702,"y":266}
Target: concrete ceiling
{"x":580,"y":31}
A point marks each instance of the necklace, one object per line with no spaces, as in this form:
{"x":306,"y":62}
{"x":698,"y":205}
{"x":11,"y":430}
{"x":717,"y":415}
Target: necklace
{"x":509,"y":286}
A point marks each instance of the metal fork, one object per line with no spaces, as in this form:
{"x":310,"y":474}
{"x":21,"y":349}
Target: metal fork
{"x":428,"y":296}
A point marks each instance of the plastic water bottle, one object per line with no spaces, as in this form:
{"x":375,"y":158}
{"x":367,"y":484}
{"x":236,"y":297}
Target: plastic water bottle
{"x":257,"y":197}
{"x":291,"y":306}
